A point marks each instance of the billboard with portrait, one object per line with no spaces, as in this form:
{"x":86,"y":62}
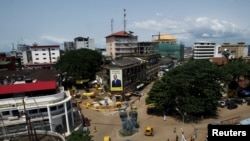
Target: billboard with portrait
{"x":116,"y":83}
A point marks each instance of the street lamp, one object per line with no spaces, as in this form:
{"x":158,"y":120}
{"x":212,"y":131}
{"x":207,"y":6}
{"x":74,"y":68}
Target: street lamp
{"x":182,"y":119}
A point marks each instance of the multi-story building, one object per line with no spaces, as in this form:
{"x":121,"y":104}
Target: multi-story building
{"x":130,"y":70}
{"x":45,"y":53}
{"x":205,"y":50}
{"x":235,"y":50}
{"x":166,"y":46}
{"x":121,"y":43}
{"x":22,"y":55}
{"x":68,"y":46}
{"x":145,"y":47}
{"x":80,"y":42}
{"x":41,"y":56}
{"x":35,"y":100}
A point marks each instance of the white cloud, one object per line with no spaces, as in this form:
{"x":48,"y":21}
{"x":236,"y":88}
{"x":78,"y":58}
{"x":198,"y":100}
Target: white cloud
{"x":190,"y":30}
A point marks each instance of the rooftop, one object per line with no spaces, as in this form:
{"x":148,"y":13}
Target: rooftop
{"x":27,"y":87}
{"x":121,"y":34}
{"x":12,"y":82}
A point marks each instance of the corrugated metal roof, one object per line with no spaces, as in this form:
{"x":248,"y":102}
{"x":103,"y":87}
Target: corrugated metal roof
{"x":27,"y":87}
{"x":126,"y":61}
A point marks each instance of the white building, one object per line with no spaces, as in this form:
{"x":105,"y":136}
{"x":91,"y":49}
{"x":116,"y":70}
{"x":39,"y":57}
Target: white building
{"x":81,"y":42}
{"x":45,"y":54}
{"x":205,"y":50}
{"x":27,"y":103}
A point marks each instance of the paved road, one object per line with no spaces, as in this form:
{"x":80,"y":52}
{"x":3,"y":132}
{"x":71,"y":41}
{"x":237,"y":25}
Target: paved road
{"x":109,"y":123}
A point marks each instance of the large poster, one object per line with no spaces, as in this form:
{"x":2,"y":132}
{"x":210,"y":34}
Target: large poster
{"x":116,"y":80}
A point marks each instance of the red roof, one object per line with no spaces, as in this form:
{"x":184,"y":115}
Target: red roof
{"x":120,"y":33}
{"x":27,"y":87}
{"x":219,"y":60}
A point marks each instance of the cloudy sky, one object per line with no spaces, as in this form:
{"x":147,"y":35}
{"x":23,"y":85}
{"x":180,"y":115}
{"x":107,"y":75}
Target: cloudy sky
{"x":49,"y":22}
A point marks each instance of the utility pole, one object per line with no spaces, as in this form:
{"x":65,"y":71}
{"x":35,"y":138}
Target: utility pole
{"x":124,"y":21}
{"x":28,"y":123}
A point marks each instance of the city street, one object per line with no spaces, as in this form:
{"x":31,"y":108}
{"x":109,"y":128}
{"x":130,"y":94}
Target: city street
{"x":108,"y":123}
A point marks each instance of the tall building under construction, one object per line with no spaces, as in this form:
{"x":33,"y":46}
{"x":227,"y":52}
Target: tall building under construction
{"x":166,"y":46}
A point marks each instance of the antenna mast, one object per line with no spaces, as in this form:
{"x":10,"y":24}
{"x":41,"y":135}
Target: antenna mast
{"x":112,"y":22}
{"x":124,"y":21}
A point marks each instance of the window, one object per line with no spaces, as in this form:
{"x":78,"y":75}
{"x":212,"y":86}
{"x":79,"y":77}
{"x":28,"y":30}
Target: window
{"x":43,"y":110}
{"x":60,"y":106}
{"x":36,"y":54}
{"x":44,"y":53}
{"x":37,"y":58}
{"x":44,"y":58}
{"x":34,"y":111}
{"x":5,"y":113}
{"x":53,"y":108}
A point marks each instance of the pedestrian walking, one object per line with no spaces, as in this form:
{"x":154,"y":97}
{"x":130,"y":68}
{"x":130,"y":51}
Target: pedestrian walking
{"x":95,"y":129}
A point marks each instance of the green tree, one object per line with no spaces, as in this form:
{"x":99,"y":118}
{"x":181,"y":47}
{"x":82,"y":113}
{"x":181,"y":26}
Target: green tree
{"x":194,"y":88}
{"x":79,"y":135}
{"x":80,"y":64}
{"x":235,"y":69}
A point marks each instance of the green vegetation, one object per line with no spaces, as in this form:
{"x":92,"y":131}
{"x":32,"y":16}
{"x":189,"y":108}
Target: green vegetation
{"x":80,"y":64}
{"x":195,"y":87}
{"x":79,"y":135}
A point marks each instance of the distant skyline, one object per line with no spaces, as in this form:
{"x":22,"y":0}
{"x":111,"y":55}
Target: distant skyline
{"x":50,"y":22}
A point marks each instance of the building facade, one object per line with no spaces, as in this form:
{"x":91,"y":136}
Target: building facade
{"x":78,"y":43}
{"x":28,"y":102}
{"x":166,"y":46}
{"x":145,"y":48}
{"x":130,"y":70}
{"x":204,"y":50}
{"x":45,"y":54}
{"x":121,"y":43}
{"x":235,"y":50}
{"x":81,"y":42}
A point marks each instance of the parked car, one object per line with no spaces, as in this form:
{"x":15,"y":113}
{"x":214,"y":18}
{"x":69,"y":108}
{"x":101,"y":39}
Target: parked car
{"x":238,"y":100}
{"x":231,"y":105}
